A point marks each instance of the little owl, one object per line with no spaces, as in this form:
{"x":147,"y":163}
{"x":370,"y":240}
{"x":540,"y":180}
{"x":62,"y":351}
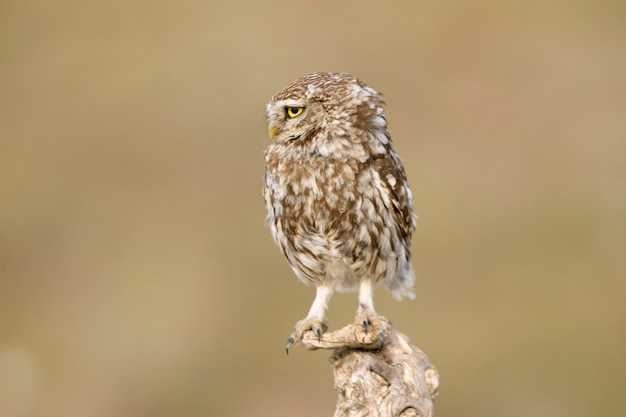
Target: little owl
{"x":338,"y":202}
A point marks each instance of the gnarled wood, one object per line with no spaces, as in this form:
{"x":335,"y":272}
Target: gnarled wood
{"x":378,"y":373}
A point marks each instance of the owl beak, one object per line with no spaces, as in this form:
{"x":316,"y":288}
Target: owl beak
{"x":273,"y":130}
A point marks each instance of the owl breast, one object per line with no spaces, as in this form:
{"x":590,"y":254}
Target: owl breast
{"x":333,"y":220}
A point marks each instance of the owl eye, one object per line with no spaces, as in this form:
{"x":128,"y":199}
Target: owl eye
{"x":294,"y":111}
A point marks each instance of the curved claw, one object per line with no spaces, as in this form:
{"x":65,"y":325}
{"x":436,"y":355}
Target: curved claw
{"x":290,"y":342}
{"x":365,"y":324}
{"x":318,"y":332}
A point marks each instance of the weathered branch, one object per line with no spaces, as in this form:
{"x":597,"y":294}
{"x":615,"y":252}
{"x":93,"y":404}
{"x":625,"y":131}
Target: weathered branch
{"x":378,"y":373}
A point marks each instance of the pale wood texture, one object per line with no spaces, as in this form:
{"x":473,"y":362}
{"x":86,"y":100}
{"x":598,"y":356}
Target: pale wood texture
{"x":378,"y":372}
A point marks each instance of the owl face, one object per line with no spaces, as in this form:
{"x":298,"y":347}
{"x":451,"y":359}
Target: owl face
{"x":322,"y":110}
{"x":293,"y":119}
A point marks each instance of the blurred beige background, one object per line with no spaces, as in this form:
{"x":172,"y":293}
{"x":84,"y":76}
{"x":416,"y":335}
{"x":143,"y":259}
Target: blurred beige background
{"x":137,"y":277}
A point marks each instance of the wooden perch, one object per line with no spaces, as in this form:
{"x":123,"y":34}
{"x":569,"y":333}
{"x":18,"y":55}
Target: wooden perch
{"x":378,"y":373}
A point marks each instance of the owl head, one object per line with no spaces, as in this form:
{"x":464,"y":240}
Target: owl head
{"x":327,"y":113}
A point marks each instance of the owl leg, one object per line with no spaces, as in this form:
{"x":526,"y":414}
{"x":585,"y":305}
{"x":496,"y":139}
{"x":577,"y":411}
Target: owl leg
{"x":322,"y":297}
{"x":366,"y":296}
{"x":366,"y":315}
{"x":315,"y":320}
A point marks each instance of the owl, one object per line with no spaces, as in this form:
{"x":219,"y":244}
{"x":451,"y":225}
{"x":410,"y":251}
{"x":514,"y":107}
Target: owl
{"x":336,"y":194}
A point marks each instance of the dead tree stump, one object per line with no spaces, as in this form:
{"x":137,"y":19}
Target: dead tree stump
{"x":378,"y":373}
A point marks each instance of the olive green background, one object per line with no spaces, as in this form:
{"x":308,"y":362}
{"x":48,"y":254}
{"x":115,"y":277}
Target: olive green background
{"x":137,"y":277}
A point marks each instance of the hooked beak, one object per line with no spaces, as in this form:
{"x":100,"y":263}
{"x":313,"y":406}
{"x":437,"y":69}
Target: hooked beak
{"x":273,"y":130}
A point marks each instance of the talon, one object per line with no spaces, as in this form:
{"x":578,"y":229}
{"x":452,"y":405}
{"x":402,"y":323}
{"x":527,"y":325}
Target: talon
{"x":381,"y":336}
{"x":365,"y":324}
{"x":289,"y":343}
{"x":314,"y":325}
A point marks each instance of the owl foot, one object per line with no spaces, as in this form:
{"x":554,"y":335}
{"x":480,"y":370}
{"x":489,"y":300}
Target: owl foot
{"x":372,"y":322}
{"x":309,"y":324}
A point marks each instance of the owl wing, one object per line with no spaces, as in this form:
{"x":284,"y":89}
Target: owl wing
{"x":394,"y":180}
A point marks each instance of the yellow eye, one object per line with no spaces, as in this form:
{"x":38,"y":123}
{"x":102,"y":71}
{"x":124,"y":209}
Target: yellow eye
{"x":294,"y":111}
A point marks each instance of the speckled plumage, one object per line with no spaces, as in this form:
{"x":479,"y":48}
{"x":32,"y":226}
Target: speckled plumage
{"x":338,"y":202}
